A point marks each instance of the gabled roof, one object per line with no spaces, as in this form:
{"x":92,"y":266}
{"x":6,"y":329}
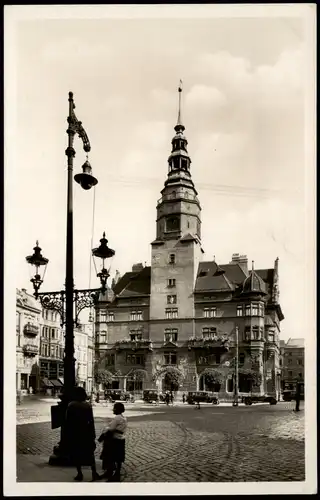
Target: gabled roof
{"x":234,"y":272}
{"x":134,"y":283}
{"x":209,"y":280}
{"x":188,"y":237}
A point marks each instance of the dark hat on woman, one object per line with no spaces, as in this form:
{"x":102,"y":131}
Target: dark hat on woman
{"x":79,"y":394}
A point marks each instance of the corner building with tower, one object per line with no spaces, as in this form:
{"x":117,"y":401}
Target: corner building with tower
{"x":172,"y":325}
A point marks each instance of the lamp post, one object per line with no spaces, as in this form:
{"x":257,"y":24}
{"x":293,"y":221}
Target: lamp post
{"x":70,"y":302}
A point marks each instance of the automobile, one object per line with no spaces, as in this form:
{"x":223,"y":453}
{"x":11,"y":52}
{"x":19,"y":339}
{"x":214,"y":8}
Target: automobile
{"x":113,"y":395}
{"x":150,"y":396}
{"x":249,"y":400}
{"x":290,"y":395}
{"x":202,"y":397}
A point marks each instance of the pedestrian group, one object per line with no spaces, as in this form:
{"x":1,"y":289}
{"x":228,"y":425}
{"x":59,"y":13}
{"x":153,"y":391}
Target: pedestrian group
{"x":81,"y":436}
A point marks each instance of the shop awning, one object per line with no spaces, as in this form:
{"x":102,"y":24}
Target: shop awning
{"x":46,"y":382}
{"x":56,"y":383}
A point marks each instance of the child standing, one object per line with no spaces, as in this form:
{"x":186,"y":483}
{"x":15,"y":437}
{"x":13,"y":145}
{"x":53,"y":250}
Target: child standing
{"x":113,"y":439}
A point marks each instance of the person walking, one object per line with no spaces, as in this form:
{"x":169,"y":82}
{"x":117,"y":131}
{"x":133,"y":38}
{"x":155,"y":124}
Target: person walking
{"x":80,"y":433}
{"x":183,"y":398}
{"x":298,"y":396}
{"x":167,"y":398}
{"x":171,"y":397}
{"x":114,"y":443}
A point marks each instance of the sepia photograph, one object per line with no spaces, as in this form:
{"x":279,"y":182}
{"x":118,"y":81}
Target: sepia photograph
{"x":159,"y":249}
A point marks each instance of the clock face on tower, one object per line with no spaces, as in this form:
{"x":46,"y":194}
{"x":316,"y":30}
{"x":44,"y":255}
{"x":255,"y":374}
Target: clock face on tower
{"x":173,"y":223}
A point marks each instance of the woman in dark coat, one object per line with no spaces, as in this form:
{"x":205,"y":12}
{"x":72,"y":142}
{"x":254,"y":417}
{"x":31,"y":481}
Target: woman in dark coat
{"x":81,"y":434}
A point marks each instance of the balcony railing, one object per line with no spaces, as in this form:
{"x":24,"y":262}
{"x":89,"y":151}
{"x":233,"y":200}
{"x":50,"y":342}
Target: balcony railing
{"x":177,"y":196}
{"x":215,"y":341}
{"x":31,"y":330}
{"x":133,"y":344}
{"x":30,"y":350}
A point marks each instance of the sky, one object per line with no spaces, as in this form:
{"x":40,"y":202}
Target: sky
{"x":244,"y":106}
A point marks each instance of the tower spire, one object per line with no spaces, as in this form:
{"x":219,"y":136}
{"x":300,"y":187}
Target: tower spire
{"x":179,"y":121}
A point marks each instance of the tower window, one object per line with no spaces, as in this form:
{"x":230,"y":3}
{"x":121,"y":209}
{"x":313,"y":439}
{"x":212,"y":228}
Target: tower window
{"x":184,"y":163}
{"x":172,"y":223}
{"x":248,"y":310}
{"x":172,"y":258}
{"x":171,"y":282}
{"x":171,"y":335}
{"x":172,"y":313}
{"x":171,"y":299}
{"x":176,"y":162}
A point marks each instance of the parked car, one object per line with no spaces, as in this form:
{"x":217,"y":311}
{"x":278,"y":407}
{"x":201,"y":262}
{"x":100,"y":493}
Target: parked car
{"x":290,"y":395}
{"x":249,"y":400}
{"x":150,"y":396}
{"x":113,"y":395}
{"x":202,"y":397}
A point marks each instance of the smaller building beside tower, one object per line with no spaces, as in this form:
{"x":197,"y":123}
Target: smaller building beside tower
{"x":28,"y":314}
{"x":292,"y":363}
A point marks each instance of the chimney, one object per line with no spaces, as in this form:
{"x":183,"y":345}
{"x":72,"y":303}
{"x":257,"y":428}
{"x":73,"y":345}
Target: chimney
{"x":136,"y":268}
{"x":242,"y":260}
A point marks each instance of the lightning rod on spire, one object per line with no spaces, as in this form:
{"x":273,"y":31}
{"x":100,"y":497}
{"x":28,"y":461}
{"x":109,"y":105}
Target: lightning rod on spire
{"x":179,"y":112}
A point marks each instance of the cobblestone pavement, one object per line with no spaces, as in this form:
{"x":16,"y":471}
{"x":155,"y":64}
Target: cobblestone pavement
{"x":181,"y":443}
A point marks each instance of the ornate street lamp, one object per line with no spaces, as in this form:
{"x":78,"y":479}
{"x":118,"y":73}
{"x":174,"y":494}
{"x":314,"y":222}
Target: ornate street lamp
{"x":103,"y":252}
{"x":69,"y":302}
{"x":37,"y":260}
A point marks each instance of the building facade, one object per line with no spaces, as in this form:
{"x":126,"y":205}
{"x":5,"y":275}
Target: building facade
{"x":81,"y":355}
{"x":173,"y":325}
{"x":40,"y":348}
{"x":27,"y":342}
{"x":51,"y":352}
{"x":292,"y":363}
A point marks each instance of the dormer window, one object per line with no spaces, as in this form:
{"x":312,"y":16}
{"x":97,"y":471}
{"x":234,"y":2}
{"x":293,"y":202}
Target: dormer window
{"x":172,"y":258}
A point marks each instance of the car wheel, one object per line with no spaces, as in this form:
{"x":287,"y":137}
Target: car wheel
{"x":248,"y":401}
{"x":215,"y":402}
{"x":273,"y":401}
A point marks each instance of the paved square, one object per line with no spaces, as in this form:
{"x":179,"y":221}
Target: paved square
{"x":181,"y":443}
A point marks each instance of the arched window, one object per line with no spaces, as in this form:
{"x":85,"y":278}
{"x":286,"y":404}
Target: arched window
{"x":173,"y":194}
